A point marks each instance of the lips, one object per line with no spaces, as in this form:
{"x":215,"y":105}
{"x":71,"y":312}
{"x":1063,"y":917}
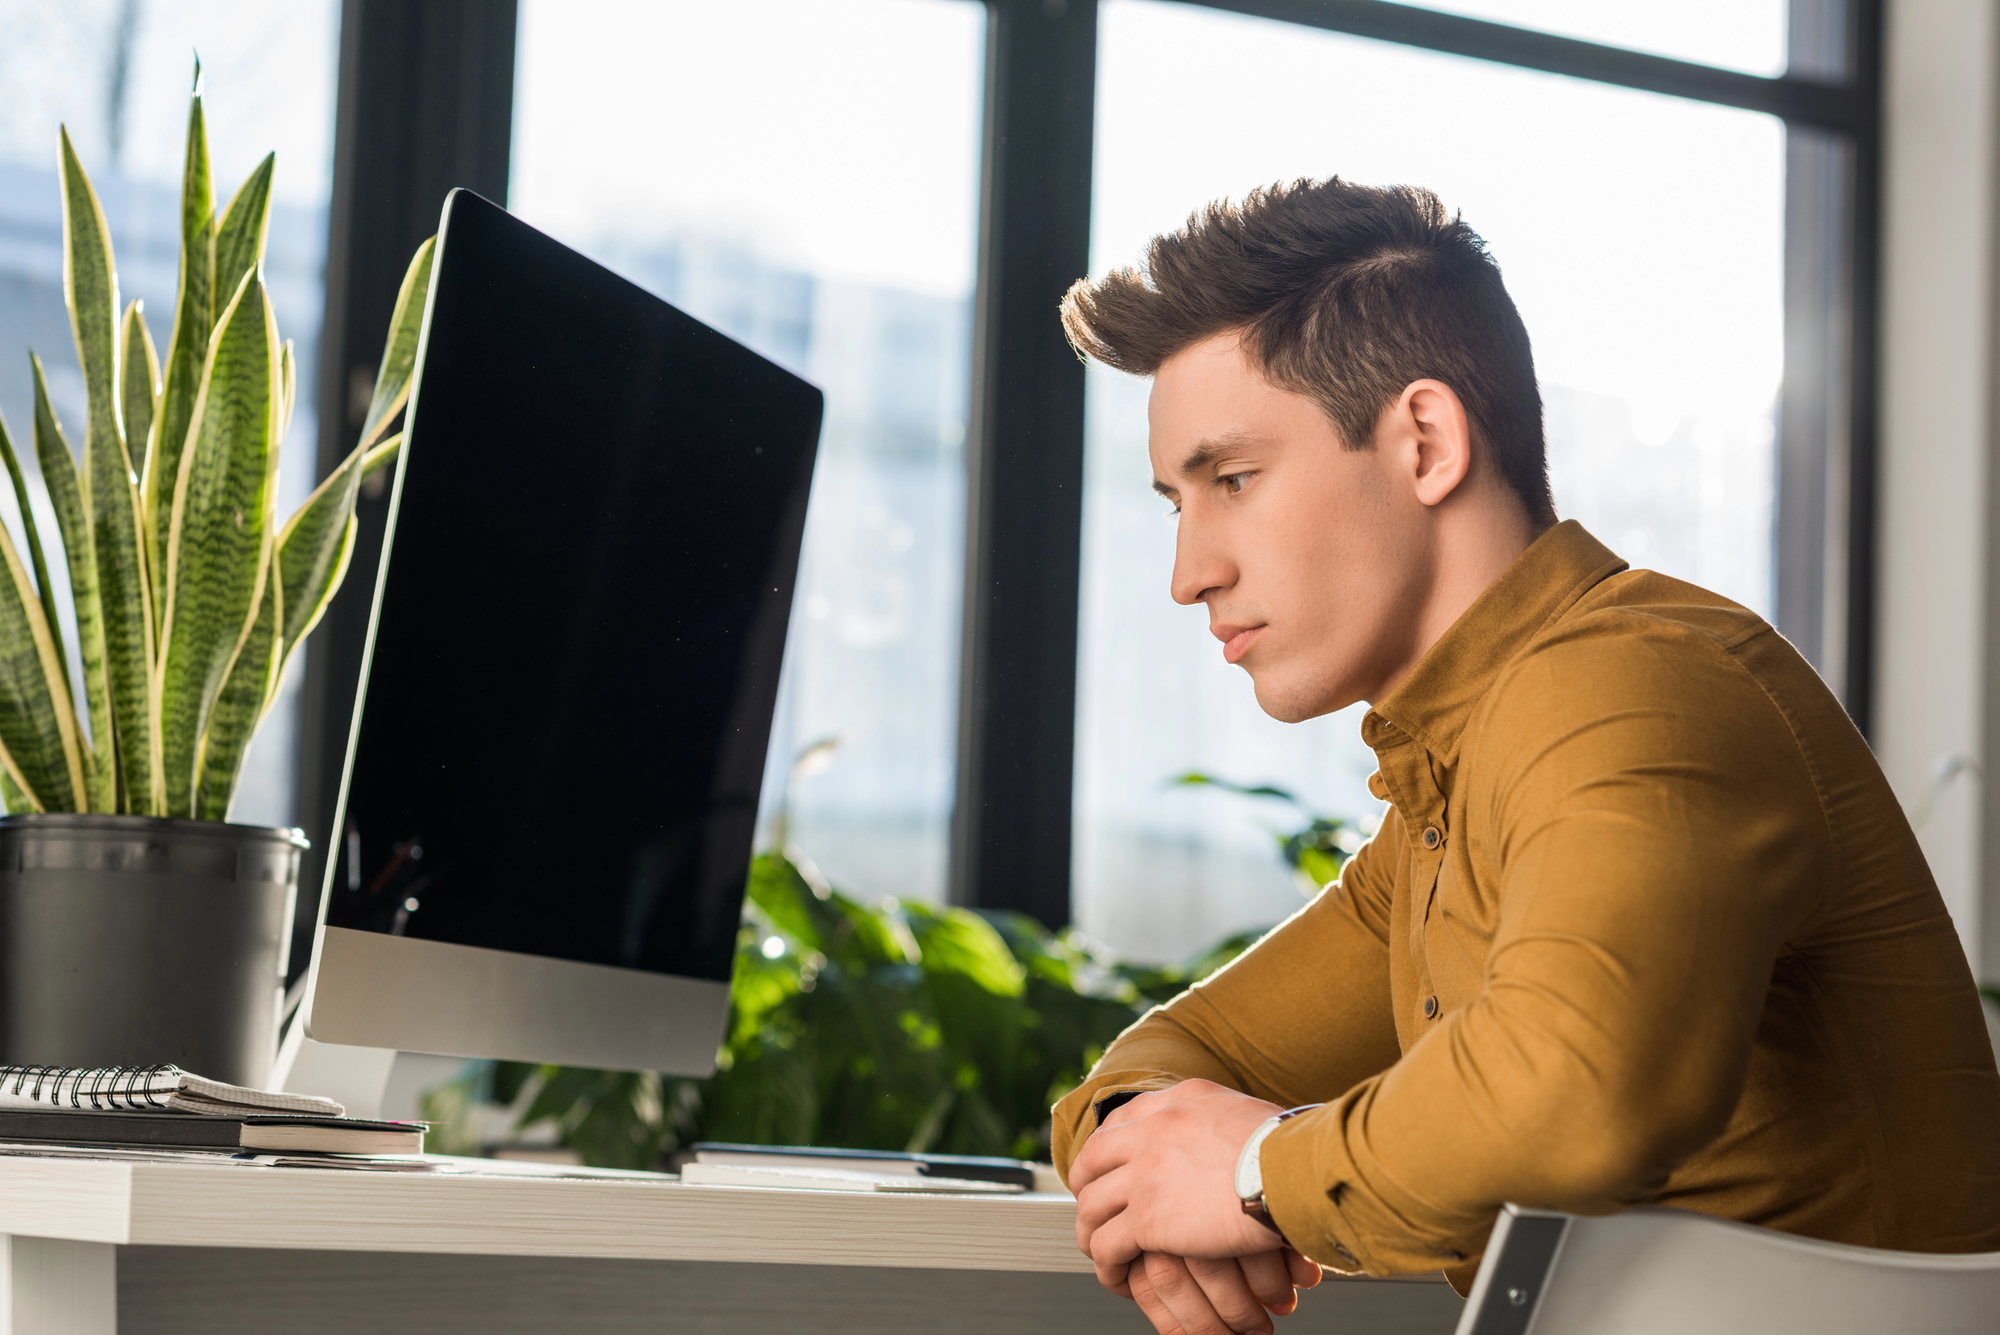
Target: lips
{"x":1236,"y":642}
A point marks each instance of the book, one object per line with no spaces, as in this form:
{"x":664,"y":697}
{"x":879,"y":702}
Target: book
{"x":367,"y":1163}
{"x":146,"y":1089}
{"x":231,"y":1134}
{"x":977,"y":1168}
{"x":827,"y":1177}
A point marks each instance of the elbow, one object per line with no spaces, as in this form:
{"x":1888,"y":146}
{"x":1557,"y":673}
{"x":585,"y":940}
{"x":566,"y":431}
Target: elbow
{"x":1600,"y":1155}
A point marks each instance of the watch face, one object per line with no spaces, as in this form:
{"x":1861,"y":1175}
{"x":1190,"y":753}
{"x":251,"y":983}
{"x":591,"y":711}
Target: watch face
{"x":1249,"y":1168}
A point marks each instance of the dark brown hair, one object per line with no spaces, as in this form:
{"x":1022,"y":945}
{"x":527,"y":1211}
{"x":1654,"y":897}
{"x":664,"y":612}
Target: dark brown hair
{"x":1344,"y":293}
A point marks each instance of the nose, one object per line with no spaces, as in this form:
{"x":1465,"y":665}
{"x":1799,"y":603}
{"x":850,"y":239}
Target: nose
{"x":1200,"y":567}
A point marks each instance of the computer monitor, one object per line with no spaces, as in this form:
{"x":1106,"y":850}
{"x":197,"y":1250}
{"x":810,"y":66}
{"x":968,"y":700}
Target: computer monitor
{"x":546,"y":818}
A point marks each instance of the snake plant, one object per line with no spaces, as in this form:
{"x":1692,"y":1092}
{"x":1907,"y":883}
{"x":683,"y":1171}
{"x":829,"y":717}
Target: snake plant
{"x":189,"y":596}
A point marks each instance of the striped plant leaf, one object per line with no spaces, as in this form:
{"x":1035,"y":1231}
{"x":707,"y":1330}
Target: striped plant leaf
{"x":399,"y":353}
{"x":219,"y":541}
{"x":37,"y":722}
{"x":139,"y":384}
{"x":65,"y":488}
{"x":11,"y":796}
{"x":246,"y":695}
{"x":187,"y":346}
{"x":34,"y":537}
{"x":289,"y":389}
{"x":240,"y":234}
{"x":138,"y":381}
{"x":110,"y":486}
{"x":314,"y":545}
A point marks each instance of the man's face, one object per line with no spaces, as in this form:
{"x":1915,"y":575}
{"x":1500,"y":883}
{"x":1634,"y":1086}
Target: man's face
{"x":1314,"y":560}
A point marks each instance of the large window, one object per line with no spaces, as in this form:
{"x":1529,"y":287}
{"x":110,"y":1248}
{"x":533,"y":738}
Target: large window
{"x":803,"y":176}
{"x":1642,"y":238}
{"x":117,"y":73}
{"x":890,"y":196}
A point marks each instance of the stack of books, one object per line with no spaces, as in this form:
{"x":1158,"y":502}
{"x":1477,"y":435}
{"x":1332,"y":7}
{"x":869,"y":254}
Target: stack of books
{"x":165,"y":1113}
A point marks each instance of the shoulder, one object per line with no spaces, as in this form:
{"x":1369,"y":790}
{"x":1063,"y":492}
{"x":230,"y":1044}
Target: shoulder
{"x":1644,"y":671}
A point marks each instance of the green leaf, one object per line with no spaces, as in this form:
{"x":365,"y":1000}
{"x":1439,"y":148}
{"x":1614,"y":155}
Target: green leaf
{"x":48,"y":593}
{"x":66,"y":498}
{"x":139,"y":379}
{"x":11,"y":797}
{"x":37,"y":723}
{"x":110,"y":487}
{"x":381,"y":456}
{"x":220,"y":541}
{"x":239,"y":235}
{"x":246,"y":695}
{"x":289,"y":386}
{"x":399,"y":354}
{"x":187,"y":346}
{"x":139,"y":386}
{"x":316,"y":544}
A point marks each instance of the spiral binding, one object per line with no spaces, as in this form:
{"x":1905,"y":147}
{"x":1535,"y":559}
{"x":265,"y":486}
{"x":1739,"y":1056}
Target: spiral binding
{"x":107,"y":1088}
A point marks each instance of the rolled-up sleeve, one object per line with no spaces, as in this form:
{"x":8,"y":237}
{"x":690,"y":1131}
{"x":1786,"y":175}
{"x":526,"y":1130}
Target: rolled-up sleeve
{"x":1657,"y":834}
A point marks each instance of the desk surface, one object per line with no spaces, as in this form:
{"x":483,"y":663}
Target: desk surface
{"x":226,"y":1205}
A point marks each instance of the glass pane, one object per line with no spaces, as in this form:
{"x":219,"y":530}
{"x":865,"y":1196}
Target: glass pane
{"x":1746,"y":35}
{"x":803,"y":176}
{"x":117,"y":73}
{"x":1641,"y":237}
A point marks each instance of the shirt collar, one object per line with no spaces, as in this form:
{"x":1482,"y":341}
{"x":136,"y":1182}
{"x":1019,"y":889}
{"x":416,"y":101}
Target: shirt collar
{"x":1432,"y":705}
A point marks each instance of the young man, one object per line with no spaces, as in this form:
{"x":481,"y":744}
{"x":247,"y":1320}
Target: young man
{"x":1643,"y":922}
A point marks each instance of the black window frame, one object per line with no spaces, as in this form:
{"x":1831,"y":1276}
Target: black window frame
{"x":426,"y":103}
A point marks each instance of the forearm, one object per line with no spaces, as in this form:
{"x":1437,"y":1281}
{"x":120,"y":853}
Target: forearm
{"x":1155,"y":1053}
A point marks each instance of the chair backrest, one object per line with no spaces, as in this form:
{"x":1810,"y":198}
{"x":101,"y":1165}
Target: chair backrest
{"x":1657,"y":1271}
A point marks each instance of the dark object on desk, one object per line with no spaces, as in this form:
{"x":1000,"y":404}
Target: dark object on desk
{"x":969,"y":1167}
{"x":129,"y":940}
{"x":554,"y":783}
{"x":208,"y":1131}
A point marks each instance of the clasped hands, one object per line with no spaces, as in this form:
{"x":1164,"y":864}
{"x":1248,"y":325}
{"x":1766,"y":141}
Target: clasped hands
{"x":1157,"y":1213}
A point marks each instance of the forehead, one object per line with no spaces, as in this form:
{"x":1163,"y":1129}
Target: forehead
{"x":1212,"y":394}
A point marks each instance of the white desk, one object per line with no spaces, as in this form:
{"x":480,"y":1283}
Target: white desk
{"x":90,"y":1247}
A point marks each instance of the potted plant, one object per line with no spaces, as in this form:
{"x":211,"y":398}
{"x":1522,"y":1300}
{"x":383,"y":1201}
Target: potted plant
{"x":137,"y":926}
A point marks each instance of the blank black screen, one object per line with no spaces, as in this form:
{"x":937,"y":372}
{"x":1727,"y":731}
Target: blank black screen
{"x":582,"y":618}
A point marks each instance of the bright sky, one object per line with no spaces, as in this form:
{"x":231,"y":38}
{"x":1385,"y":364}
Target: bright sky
{"x":841,"y":137}
{"x":1640,"y":235}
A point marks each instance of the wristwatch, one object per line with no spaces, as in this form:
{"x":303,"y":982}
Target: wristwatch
{"x":1250,"y":1168}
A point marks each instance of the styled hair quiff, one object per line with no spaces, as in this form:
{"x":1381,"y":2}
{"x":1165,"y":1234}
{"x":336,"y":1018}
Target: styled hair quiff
{"x":1344,"y":293}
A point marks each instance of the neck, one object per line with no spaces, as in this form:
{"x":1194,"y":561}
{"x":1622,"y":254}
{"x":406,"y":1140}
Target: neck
{"x":1474,"y":540}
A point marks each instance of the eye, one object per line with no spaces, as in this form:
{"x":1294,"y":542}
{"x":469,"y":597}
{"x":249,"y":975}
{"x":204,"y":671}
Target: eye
{"x":1235,"y":481}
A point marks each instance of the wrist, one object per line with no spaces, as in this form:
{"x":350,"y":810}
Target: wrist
{"x":1249,"y":1178}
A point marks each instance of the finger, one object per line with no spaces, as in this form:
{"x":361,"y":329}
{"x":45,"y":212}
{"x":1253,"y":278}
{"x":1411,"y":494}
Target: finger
{"x":1185,"y":1299}
{"x":1116,"y":1276}
{"x":1114,"y":1243}
{"x":1228,"y":1291}
{"x":1305,"y":1274}
{"x":1098,"y":1204}
{"x":1151,"y":1304}
{"x":1105,"y":1151}
{"x":1270,"y":1281}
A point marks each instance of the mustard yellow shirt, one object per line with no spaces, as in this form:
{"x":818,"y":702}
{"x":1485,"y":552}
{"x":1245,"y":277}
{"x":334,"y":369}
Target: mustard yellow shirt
{"x":1643,"y":923}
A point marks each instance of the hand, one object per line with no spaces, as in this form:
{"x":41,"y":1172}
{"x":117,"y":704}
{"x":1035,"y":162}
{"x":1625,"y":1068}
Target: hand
{"x":1228,"y":1297}
{"x":1158,"y":1176}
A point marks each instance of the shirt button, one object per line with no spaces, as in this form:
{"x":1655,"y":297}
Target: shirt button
{"x":1430,"y":1008}
{"x":1432,"y":836}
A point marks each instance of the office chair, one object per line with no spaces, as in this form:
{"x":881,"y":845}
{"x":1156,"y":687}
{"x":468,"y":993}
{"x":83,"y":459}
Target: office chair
{"x":1658,"y":1271}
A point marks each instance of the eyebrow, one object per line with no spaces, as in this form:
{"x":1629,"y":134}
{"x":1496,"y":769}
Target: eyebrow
{"x":1201,"y":456}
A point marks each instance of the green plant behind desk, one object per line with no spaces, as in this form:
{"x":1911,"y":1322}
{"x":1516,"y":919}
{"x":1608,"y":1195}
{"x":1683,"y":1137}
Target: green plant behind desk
{"x":888,"y":1025}
{"x":189,"y":597}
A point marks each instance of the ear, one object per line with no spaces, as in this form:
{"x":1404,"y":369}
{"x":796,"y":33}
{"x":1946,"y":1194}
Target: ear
{"x":1439,"y":435}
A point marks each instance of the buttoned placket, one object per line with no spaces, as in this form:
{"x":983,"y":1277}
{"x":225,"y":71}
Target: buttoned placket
{"x":1406,"y":779}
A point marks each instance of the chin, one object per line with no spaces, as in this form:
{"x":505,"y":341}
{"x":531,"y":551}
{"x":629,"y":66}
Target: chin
{"x":1288,"y":699}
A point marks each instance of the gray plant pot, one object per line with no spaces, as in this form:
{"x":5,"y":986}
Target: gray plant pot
{"x":131,"y":941}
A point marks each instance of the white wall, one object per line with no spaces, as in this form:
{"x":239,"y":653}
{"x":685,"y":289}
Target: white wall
{"x":1936,"y":674}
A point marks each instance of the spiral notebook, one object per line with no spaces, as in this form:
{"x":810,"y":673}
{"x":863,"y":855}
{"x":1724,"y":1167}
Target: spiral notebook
{"x":166,"y":1089}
